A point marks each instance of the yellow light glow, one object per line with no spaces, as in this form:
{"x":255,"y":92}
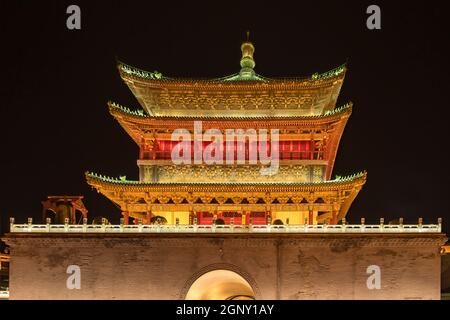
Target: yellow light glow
{"x":220,"y":285}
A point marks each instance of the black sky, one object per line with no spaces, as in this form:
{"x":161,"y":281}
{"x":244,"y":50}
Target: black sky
{"x":55,"y":84}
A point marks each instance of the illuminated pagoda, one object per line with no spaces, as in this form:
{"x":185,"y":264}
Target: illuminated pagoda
{"x":310,"y":128}
{"x":237,"y":227}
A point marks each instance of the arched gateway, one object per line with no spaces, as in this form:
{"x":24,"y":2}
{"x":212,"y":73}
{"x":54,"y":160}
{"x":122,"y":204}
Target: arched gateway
{"x":220,"y":285}
{"x":220,"y":281}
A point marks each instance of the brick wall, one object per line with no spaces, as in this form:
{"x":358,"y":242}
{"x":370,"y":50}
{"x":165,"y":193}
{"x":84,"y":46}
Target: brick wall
{"x":158,"y":266}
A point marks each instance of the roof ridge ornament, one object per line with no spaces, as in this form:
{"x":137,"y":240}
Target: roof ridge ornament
{"x":247,"y":61}
{"x":139,"y":72}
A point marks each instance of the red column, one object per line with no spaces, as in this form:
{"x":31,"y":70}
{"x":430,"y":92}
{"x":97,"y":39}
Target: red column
{"x":290,"y":150}
{"x":72,"y":215}
{"x":247,"y":150}
{"x":334,"y":217}
{"x":141,"y":149}
{"x":311,"y":217}
{"x":149,"y":216}
{"x":126,"y":217}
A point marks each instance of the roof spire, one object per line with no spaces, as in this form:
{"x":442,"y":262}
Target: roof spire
{"x":247,"y":62}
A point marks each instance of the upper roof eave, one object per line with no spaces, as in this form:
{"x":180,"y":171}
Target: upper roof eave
{"x":128,"y":72}
{"x":139,"y":115}
{"x":96,"y":180}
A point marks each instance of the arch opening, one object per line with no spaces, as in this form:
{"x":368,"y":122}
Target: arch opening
{"x":220,"y":285}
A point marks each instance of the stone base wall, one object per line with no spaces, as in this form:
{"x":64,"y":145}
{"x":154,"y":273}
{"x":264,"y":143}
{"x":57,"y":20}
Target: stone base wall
{"x":445,"y":271}
{"x":161,"y":266}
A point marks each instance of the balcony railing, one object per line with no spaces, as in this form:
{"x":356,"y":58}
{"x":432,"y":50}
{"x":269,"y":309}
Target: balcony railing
{"x":4,"y":295}
{"x":283,"y":155}
{"x":230,"y":228}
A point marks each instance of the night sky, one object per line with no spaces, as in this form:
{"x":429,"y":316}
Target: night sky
{"x":55,"y":84}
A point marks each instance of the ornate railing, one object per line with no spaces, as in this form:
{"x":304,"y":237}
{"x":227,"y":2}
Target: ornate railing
{"x":211,"y":228}
{"x":283,"y":155}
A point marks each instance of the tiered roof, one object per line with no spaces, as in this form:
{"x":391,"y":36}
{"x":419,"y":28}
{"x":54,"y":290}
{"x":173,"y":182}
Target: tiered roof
{"x":127,"y":194}
{"x":101,"y":180}
{"x":119,"y":110}
{"x":246,"y":93}
{"x":303,"y":106}
{"x":139,"y":125}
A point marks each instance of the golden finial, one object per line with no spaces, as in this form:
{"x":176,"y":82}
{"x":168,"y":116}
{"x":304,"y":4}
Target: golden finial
{"x":247,"y":62}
